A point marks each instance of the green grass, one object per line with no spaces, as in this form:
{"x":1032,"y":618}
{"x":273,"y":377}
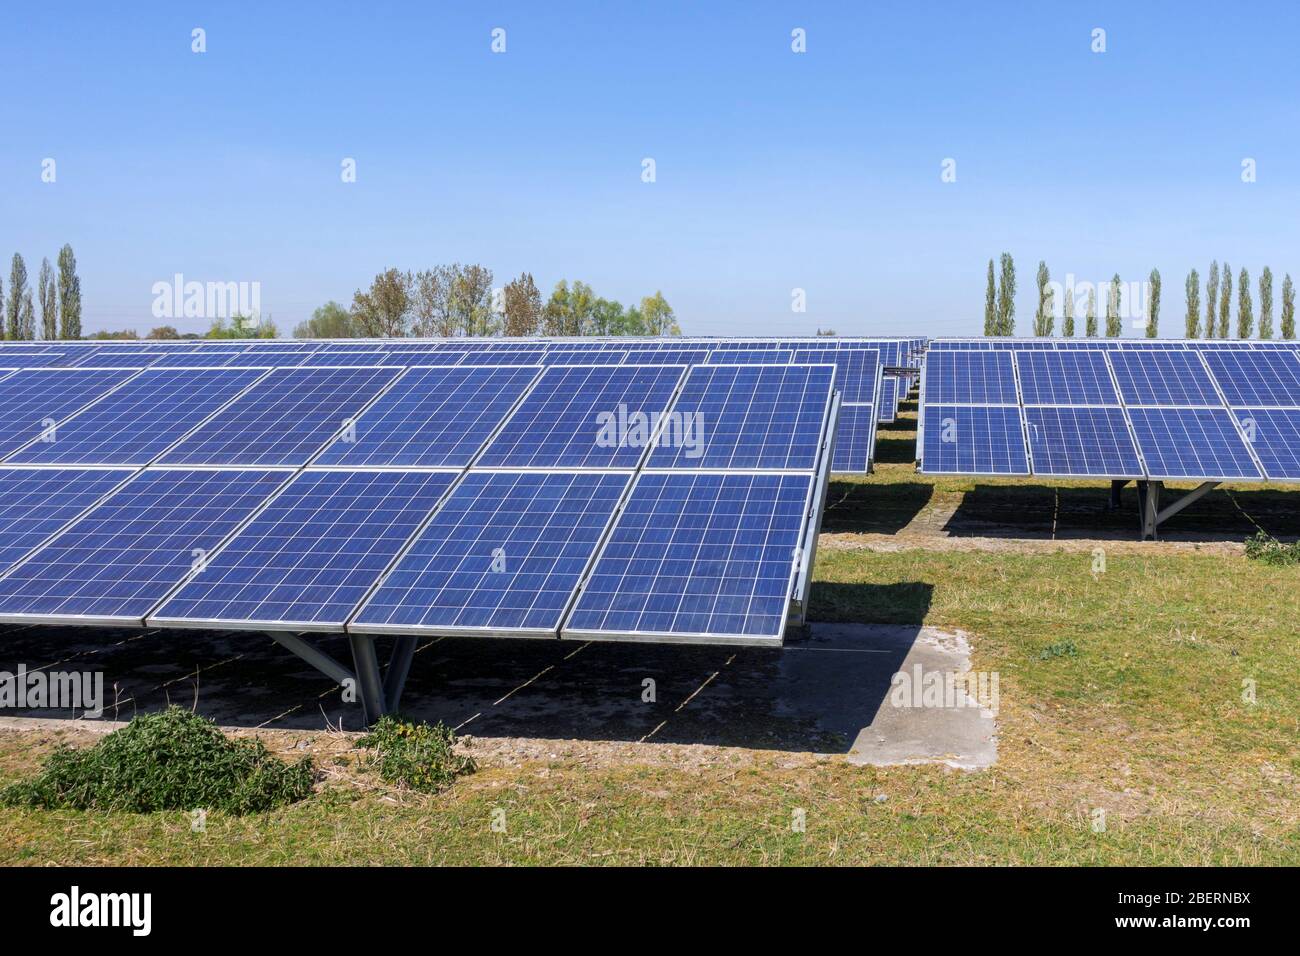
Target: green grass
{"x":416,"y":756}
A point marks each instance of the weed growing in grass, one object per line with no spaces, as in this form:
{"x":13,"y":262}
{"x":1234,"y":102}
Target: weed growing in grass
{"x":1264,"y":547}
{"x":173,"y":760}
{"x":418,"y":756}
{"x":1059,"y":649}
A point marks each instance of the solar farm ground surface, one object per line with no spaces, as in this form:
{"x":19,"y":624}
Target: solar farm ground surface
{"x":1120,"y":690}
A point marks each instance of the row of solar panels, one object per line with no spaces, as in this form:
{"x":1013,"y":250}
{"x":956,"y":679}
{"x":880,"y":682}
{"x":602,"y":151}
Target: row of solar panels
{"x":605,"y":502}
{"x":1186,"y":411}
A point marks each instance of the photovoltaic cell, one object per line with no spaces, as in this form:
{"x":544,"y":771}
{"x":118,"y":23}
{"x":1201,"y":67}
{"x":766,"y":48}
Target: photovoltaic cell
{"x":136,"y":423}
{"x":1065,"y":378}
{"x":503,"y":555}
{"x":312,"y":554}
{"x":511,"y":357}
{"x":1274,"y":434}
{"x":284,"y":419}
{"x":748,"y":416}
{"x":31,"y":400}
{"x":744,"y":356}
{"x":698,"y":556}
{"x":123,"y":557}
{"x":888,"y":400}
{"x":432,"y":417}
{"x":35,"y":503}
{"x":855,"y":371}
{"x":584,"y":417}
{"x":969,"y":378}
{"x":1192,"y":443}
{"x":975,"y":440}
{"x":854,"y":438}
{"x":1256,"y":377}
{"x":1163,"y":378}
{"x":1079,"y":441}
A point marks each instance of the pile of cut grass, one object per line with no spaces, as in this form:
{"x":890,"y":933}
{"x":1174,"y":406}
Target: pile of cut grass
{"x":1266,"y":548}
{"x":173,"y":760}
{"x":416,"y":756}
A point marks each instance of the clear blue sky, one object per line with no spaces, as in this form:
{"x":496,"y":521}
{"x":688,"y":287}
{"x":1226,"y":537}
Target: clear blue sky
{"x":775,"y":170}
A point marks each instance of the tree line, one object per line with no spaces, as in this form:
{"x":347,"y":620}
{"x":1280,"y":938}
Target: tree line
{"x":1000,"y":307}
{"x":452,"y":300}
{"x":58,"y":295}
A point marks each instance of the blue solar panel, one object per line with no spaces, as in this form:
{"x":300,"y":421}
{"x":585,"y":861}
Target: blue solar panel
{"x":585,"y":417}
{"x":1076,"y":441}
{"x":750,"y":356}
{"x":504,"y":554}
{"x":136,"y":423}
{"x":1065,"y":378}
{"x":1257,"y":377}
{"x":969,"y":378}
{"x":1192,"y":443}
{"x":32,"y":401}
{"x":205,"y":359}
{"x":747,"y":416}
{"x":888,"y":400}
{"x":973,"y":440}
{"x":1166,"y":378}
{"x":504,"y":357}
{"x":1274,"y":434}
{"x":855,"y":433}
{"x":117,"y":358}
{"x":35,"y":503}
{"x":432,"y":417}
{"x":310,"y":556}
{"x":586,"y":357}
{"x":667,"y":355}
{"x":123,"y":557}
{"x":698,"y":555}
{"x":337,"y":359}
{"x":855,"y":371}
{"x":284,"y":419}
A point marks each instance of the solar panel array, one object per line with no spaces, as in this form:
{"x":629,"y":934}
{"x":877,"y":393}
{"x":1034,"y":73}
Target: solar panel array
{"x":423,"y":487}
{"x":1203,"y":411}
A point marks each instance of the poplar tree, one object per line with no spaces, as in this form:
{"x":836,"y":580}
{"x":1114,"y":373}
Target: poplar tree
{"x":1211,"y":298}
{"x":1225,"y":299}
{"x":990,"y":306}
{"x":1114,"y":326}
{"x":1266,"y":304}
{"x":1245,"y":311}
{"x":1007,"y":297}
{"x":1192,"y":323}
{"x":1067,"y":314}
{"x":1153,"y":306}
{"x":1043,"y":315}
{"x":1090,"y":318}
{"x":1288,"y":308}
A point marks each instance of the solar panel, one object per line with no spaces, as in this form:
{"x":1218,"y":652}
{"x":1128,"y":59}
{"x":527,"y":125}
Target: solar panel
{"x":977,"y":440}
{"x":747,"y":416}
{"x":586,"y":357}
{"x":1274,"y":434}
{"x":35,"y":503}
{"x":582,"y":416}
{"x":1261,"y":378}
{"x":338,"y":359}
{"x":698,"y":556}
{"x":855,"y":371}
{"x":114,"y":564}
{"x":1065,"y":378}
{"x":34,"y":400}
{"x":136,"y":423}
{"x":1163,"y":378}
{"x":969,"y":378}
{"x":855,"y":434}
{"x":1200,"y":444}
{"x":511,"y":357}
{"x":312,"y":554}
{"x":435,"y":417}
{"x":888,"y":399}
{"x":284,"y":419}
{"x":117,"y":358}
{"x":749,"y":356}
{"x":502,"y":556}
{"x":1081,"y":442}
{"x":209,"y":358}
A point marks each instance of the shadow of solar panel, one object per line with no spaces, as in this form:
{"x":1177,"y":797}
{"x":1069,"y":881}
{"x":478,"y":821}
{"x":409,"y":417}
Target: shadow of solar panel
{"x":119,"y":560}
{"x":136,"y":423}
{"x":580,"y":416}
{"x":705,"y":557}
{"x":36,"y":503}
{"x":1082,"y":442}
{"x":1197,"y":444}
{"x":32,"y":401}
{"x":312,"y":554}
{"x":1065,"y":378}
{"x":284,"y":419}
{"x":432,"y":417}
{"x":1163,"y":378}
{"x":747,"y":416}
{"x":973,"y":440}
{"x":503,"y":556}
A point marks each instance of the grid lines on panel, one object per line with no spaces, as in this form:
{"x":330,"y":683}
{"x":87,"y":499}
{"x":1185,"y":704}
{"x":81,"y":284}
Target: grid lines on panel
{"x":505,"y":553}
{"x":1274,"y":435}
{"x":35,"y":503}
{"x":126,"y":554}
{"x":1065,"y":378}
{"x":855,"y":371}
{"x":854,"y":431}
{"x":30,"y":401}
{"x":1264,"y":378}
{"x":1163,"y":378}
{"x":1081,"y":440}
{"x":698,"y":555}
{"x":970,"y":378}
{"x":1191,"y":443}
{"x":314,"y":552}
{"x":284,"y":419}
{"x":973,"y":439}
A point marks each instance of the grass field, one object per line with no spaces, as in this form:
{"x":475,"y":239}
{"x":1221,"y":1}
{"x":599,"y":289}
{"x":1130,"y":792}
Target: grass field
{"x":1124,"y":690}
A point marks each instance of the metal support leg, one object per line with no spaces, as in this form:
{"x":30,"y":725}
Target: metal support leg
{"x":370,"y":684}
{"x":1115,"y":487}
{"x":399,"y":665}
{"x":1149,"y":498}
